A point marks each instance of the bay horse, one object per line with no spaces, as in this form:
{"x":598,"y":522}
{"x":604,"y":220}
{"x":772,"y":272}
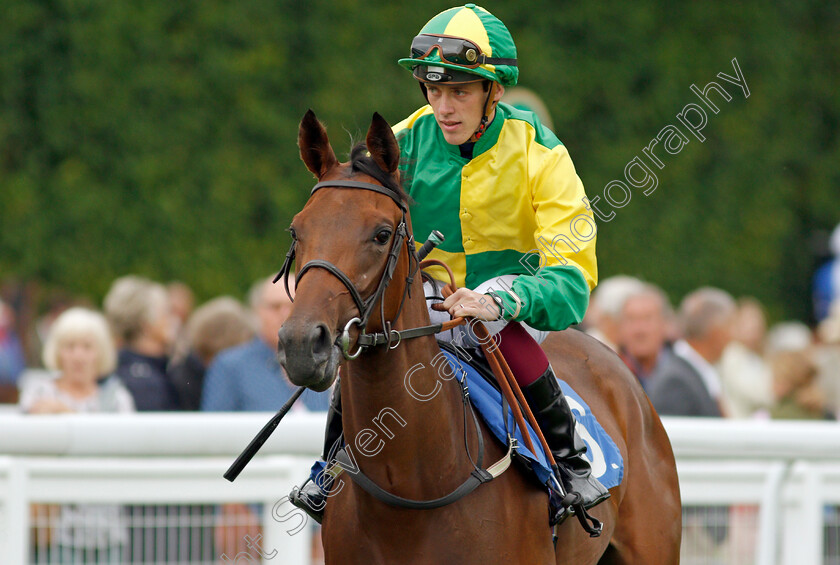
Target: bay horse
{"x":355,"y":259}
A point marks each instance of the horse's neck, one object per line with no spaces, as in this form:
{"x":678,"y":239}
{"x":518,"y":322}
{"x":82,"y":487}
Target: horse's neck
{"x":395,"y":403}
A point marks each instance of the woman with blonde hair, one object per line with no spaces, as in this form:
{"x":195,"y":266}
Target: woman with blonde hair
{"x":80,"y":349}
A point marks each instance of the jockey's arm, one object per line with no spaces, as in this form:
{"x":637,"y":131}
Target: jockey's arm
{"x":562,"y":268}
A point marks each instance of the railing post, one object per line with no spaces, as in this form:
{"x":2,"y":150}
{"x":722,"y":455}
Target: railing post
{"x":803,"y":531}
{"x":288,"y":530}
{"x":14,"y":513}
{"x":769,"y":517}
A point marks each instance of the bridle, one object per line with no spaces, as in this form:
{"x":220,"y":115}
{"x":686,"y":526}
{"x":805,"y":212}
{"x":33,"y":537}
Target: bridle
{"x":367,"y":305}
{"x":479,"y":475}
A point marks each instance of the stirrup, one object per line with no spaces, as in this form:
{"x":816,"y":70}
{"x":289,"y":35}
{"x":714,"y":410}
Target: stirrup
{"x":591,"y":491}
{"x":309,"y":498}
{"x":589,"y":523}
{"x":560,"y":515}
{"x":572,"y":504}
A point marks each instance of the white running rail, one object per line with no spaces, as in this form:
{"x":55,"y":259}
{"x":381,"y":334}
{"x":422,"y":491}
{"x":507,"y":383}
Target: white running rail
{"x":787,"y":473}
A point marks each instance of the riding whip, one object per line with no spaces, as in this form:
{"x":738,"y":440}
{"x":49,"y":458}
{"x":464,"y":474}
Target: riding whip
{"x":435,"y":238}
{"x":259,"y":439}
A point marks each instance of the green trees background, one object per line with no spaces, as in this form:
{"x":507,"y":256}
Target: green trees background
{"x":160,"y":137}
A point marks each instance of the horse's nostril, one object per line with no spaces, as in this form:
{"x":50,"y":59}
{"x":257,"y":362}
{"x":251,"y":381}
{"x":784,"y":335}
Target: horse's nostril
{"x":282,"y":336}
{"x":320,"y":339}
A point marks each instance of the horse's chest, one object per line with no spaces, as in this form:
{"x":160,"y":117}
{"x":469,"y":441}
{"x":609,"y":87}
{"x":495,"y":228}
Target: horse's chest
{"x":413,"y":537}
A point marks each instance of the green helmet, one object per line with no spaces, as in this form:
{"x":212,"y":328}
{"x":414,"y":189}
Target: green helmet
{"x":463,"y":44}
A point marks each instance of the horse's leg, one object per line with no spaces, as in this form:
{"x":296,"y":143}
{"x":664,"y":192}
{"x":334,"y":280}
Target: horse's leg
{"x":649,"y":525}
{"x":642,"y":520}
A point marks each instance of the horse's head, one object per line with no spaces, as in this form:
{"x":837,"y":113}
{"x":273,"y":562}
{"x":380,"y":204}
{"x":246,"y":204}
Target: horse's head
{"x":350,"y":239}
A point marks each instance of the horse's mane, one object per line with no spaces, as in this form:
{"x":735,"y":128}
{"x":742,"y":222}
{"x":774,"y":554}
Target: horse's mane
{"x":361,"y":162}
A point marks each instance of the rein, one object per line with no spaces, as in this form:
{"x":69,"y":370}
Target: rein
{"x":364,"y":341}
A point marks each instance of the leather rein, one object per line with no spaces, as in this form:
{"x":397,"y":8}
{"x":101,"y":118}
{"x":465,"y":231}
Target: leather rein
{"x":366,"y":306}
{"x":511,"y":394}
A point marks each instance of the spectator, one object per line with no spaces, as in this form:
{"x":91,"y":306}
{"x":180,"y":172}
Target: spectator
{"x":827,"y":358}
{"x":601,"y":320}
{"x":826,"y":285}
{"x":642,"y":331}
{"x":248,"y":377}
{"x":181,"y":303}
{"x":788,"y":336}
{"x":138,"y":310}
{"x":12,"y":361}
{"x":80,"y":349}
{"x":689,"y":385}
{"x":798,"y":397}
{"x":218,"y":324}
{"x":745,"y":375}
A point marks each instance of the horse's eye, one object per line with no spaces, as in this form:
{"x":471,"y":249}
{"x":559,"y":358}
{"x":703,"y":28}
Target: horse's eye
{"x":382,"y":236}
{"x":292,"y":233}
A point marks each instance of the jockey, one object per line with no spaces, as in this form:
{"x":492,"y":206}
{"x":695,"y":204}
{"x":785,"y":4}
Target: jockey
{"x":519,"y":232}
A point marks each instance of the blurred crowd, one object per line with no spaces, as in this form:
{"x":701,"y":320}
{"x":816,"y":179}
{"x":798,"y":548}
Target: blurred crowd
{"x":149,"y":349}
{"x":715,"y":356}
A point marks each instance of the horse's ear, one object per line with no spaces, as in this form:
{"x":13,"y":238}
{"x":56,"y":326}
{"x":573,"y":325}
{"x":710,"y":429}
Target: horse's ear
{"x":315,"y":149}
{"x":382,"y":144}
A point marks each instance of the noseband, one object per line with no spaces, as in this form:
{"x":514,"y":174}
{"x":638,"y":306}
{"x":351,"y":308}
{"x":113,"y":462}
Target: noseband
{"x":365,"y":306}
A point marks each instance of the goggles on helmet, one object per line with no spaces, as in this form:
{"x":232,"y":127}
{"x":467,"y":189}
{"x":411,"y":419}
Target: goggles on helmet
{"x":455,"y":51}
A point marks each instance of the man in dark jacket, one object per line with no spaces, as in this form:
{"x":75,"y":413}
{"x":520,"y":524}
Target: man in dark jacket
{"x":687,"y":383}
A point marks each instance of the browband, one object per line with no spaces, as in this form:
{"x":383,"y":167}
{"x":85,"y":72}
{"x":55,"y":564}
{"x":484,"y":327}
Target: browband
{"x":363,"y":185}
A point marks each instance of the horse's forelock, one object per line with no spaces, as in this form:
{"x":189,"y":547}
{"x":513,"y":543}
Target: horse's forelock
{"x":361,"y":162}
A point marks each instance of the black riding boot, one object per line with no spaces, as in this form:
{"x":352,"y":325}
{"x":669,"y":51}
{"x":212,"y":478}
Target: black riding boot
{"x":310,"y":497}
{"x":557,"y":423}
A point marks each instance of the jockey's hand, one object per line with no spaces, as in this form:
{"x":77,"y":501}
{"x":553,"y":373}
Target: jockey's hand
{"x":465,"y":302}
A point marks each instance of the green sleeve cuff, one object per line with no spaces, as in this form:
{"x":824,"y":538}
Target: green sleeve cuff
{"x":553,"y":299}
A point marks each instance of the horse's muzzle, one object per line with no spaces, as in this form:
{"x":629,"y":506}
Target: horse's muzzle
{"x":309,"y":355}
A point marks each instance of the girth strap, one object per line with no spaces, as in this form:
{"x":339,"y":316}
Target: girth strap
{"x":477,"y":477}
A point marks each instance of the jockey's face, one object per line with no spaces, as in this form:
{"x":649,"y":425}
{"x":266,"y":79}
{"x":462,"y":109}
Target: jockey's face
{"x":458,"y":108}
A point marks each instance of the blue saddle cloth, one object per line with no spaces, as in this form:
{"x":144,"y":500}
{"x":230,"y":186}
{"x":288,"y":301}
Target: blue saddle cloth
{"x":602,"y":452}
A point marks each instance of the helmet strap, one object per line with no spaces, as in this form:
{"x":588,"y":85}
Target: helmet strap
{"x":488,"y":107}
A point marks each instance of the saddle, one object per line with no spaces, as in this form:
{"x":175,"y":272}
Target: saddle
{"x":486,"y":397}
